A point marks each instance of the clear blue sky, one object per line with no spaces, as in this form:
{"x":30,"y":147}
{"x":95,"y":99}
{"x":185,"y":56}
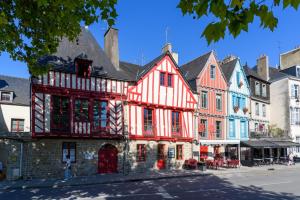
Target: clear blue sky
{"x":142,"y":26}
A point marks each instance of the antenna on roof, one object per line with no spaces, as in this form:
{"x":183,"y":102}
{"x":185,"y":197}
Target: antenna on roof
{"x":167,"y":29}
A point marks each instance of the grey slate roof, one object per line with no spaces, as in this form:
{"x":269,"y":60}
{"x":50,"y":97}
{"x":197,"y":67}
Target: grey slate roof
{"x":86,"y":47}
{"x":252,"y":72}
{"x":19,"y":86}
{"x":132,"y":69}
{"x":275,"y":74}
{"x":228,"y":68}
{"x":192,"y":69}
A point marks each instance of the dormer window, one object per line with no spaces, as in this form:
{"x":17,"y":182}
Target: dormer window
{"x":5,"y":96}
{"x":83,"y":68}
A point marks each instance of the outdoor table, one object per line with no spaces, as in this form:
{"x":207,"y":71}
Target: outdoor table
{"x":269,"y":160}
{"x":283,"y":159}
{"x":258,"y":161}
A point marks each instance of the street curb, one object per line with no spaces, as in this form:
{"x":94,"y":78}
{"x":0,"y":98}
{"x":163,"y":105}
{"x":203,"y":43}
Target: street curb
{"x":60,"y":185}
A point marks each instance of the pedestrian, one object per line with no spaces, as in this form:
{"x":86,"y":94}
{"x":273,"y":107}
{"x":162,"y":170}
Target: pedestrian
{"x":68,"y":168}
{"x":291,"y":158}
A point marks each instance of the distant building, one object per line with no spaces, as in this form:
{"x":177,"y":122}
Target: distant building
{"x":14,"y":123}
{"x":260,"y":98}
{"x":284,"y":93}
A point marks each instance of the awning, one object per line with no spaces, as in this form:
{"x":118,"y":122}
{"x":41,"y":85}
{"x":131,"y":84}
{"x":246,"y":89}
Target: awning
{"x":258,"y":144}
{"x":268,"y":144}
{"x":286,"y":144}
{"x":216,"y":142}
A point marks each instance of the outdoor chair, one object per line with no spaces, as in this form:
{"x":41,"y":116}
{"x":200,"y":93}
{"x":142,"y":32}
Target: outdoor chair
{"x":190,"y":164}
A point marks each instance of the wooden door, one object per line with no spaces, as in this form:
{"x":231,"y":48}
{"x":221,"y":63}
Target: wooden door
{"x":108,"y":159}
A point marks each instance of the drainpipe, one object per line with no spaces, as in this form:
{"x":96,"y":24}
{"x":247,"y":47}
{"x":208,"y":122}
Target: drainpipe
{"x":21,"y":158}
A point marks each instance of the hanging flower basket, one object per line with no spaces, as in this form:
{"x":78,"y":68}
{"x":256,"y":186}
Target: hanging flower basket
{"x":245,"y":110}
{"x":241,"y":84}
{"x":236,"y":108}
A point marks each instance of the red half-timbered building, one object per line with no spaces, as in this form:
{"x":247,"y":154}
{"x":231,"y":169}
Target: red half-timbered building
{"x":205,"y":77}
{"x":160,"y":115}
{"x":78,"y":108}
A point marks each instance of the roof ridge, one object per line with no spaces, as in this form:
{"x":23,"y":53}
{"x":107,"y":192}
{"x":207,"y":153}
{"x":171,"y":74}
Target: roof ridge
{"x":201,"y":56}
{"x":9,"y":76}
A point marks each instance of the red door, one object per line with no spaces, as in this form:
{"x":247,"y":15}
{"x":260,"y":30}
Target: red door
{"x":108,"y":159}
{"x":161,"y":164}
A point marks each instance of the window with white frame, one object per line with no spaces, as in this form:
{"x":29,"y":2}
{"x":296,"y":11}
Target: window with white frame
{"x":295,"y":91}
{"x":219,"y":102}
{"x":264,"y":110}
{"x":295,"y":116}
{"x":5,"y":96}
{"x":257,"y":109}
{"x":298,"y":72}
{"x":256,"y":126}
{"x":17,"y":125}
{"x":257,"y":88}
{"x":204,"y":99}
{"x":212,"y":72}
{"x":264,"y":90}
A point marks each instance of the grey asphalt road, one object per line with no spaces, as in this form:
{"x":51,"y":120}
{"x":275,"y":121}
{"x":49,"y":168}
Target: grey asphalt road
{"x":269,"y":185}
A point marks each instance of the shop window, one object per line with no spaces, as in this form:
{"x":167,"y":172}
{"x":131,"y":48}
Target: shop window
{"x":69,"y":149}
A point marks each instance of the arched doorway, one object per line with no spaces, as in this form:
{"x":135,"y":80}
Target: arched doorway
{"x":108,"y":159}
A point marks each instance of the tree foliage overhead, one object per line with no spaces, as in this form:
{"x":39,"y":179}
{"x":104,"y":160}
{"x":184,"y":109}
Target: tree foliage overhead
{"x":234,"y":15}
{"x":30,"y":29}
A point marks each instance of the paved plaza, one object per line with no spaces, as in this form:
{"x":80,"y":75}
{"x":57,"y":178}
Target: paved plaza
{"x":270,"y":183}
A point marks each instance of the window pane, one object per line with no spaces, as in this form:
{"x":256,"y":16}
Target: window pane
{"x":60,"y":113}
{"x":162,"y":78}
{"x":81,"y":110}
{"x":170,"y":76}
{"x":148,"y":120}
{"x":100,"y":114}
{"x":5,"y":96}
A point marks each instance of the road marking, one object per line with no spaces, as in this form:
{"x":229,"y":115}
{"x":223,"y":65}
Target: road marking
{"x":278,"y":183}
{"x":164,"y":193}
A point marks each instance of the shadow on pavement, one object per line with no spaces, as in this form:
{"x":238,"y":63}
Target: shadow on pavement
{"x":205,"y":187}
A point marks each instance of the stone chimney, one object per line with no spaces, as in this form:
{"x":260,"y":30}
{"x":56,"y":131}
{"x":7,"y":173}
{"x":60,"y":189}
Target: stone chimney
{"x":111,"y":46}
{"x":168,"y":47}
{"x":228,"y":59}
{"x":263,"y":67}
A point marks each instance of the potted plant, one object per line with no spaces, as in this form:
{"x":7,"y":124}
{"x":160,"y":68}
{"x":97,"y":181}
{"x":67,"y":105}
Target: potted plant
{"x":241,"y":84}
{"x":245,"y":110}
{"x":236,"y":109}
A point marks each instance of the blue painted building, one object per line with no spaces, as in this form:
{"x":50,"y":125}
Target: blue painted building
{"x":238,"y":99}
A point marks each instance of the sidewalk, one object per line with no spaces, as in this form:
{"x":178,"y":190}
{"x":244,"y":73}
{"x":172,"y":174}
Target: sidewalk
{"x":134,"y":177}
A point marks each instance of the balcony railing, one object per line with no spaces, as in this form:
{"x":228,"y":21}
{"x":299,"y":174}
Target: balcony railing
{"x":211,"y":136}
{"x":257,"y":133}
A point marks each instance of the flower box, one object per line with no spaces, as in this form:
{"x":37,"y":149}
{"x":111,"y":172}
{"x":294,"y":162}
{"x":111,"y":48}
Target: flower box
{"x":236,"y":109}
{"x":241,"y":84}
{"x":245,"y":110}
